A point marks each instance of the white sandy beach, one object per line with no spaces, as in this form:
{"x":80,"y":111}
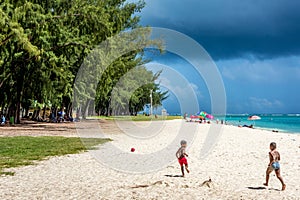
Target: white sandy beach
{"x":236,"y":165}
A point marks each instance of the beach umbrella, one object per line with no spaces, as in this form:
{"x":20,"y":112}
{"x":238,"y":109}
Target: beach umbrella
{"x":202,"y":113}
{"x":209,"y":116}
{"x":201,"y":117}
{"x":254,"y":117}
{"x":194,"y":117}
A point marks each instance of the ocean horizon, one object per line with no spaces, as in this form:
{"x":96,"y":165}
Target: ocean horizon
{"x":289,"y":123}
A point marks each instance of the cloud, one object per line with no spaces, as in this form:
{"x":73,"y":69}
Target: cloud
{"x":264,"y":105}
{"x":262,"y":102}
{"x":232,"y":28}
{"x":182,"y":89}
{"x":277,"y":70}
{"x":257,"y":105}
{"x":196,"y":89}
{"x":183,"y":93}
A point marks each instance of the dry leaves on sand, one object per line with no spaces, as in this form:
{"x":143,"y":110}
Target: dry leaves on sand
{"x":207,"y":183}
{"x":151,"y":184}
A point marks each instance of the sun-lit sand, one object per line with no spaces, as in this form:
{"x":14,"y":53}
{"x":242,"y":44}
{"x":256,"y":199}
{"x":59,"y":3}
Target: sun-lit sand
{"x":236,"y":165}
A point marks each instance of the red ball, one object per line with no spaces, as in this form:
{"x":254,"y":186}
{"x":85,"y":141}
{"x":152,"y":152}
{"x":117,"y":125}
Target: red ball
{"x":132,"y":149}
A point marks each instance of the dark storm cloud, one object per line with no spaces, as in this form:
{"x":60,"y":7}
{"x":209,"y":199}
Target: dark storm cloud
{"x":232,"y":28}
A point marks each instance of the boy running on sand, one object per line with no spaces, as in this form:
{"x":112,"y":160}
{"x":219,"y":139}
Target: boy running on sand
{"x":181,"y":155}
{"x":274,"y":165}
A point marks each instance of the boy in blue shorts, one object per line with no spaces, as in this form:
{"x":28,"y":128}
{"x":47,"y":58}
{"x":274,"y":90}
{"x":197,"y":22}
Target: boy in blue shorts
{"x":274,"y":165}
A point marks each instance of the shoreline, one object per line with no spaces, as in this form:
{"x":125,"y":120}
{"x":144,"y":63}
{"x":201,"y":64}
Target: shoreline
{"x":258,"y":128}
{"x":268,"y":129}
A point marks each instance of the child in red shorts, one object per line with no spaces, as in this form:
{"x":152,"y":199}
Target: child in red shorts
{"x":181,"y":155}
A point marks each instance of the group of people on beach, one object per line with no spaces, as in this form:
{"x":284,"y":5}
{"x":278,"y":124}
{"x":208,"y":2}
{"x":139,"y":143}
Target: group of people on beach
{"x":274,"y":158}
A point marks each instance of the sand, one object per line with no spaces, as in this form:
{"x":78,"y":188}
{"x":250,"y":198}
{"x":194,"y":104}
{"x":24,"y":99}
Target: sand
{"x":236,"y":165}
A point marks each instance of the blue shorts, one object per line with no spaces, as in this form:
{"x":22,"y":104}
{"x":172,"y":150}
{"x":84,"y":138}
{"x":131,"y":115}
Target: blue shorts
{"x":275,"y":165}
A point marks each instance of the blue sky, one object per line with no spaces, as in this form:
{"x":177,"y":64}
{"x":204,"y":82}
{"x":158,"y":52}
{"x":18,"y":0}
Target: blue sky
{"x":254,"y":43}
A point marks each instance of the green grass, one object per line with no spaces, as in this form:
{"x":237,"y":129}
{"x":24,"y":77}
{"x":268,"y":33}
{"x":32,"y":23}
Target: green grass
{"x":136,"y":118}
{"x":24,"y":150}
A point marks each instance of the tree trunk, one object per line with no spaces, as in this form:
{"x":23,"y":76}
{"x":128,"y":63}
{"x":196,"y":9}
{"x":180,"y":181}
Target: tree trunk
{"x":69,"y":110}
{"x":91,"y":109}
{"x":85,"y":109}
{"x":10,"y":112}
{"x":33,"y":114}
{"x":44,"y":112}
{"x":17,"y":119}
{"x":78,"y":110}
{"x":26,"y":112}
{"x":55,"y":112}
{"x":36,"y":114}
{"x":17,"y":113}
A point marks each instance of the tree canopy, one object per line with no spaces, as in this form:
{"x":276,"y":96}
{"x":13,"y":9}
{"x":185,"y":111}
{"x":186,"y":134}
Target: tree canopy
{"x":44,"y":43}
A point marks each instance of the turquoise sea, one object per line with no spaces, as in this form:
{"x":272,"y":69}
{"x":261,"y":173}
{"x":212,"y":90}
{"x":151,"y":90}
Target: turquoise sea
{"x":279,"y":122}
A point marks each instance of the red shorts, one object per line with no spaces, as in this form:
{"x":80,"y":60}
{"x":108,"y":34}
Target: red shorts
{"x":182,"y":161}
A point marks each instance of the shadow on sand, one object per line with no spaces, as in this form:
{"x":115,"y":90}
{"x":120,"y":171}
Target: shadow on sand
{"x":170,"y":175}
{"x":262,"y":188}
{"x":274,"y":189}
{"x":256,"y":188}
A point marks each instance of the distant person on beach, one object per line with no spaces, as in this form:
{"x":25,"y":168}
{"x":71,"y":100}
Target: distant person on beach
{"x":247,"y":126}
{"x":274,"y":165}
{"x":185,"y":116}
{"x":3,"y":119}
{"x":181,"y":155}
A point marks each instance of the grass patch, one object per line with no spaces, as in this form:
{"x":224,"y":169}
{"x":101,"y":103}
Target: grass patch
{"x":136,"y":118}
{"x":23,"y":150}
{"x":7,"y":173}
